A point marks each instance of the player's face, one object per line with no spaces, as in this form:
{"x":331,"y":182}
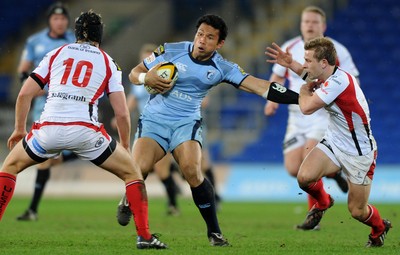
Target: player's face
{"x":311,"y":65}
{"x":312,"y":26}
{"x":58,"y":24}
{"x":206,"y":42}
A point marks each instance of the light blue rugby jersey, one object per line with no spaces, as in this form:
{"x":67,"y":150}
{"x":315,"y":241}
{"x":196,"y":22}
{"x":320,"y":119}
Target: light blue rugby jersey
{"x":36,"y":47}
{"x":40,"y":43}
{"x":141,"y":95}
{"x":195,"y":79}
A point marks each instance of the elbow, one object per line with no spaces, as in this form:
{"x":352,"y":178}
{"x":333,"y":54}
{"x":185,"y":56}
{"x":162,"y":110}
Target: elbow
{"x":306,"y":110}
{"x":123,"y":116}
{"x":24,"y":96}
{"x":131,"y":78}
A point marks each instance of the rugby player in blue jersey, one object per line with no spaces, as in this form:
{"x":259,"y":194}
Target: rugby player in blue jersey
{"x":171,"y":119}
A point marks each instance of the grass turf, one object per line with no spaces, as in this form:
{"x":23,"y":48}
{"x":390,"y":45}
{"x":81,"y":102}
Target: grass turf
{"x":89,"y":226}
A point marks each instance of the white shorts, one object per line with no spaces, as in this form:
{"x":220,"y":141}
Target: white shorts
{"x":301,"y":128}
{"x":86,"y":140}
{"x":358,"y":169}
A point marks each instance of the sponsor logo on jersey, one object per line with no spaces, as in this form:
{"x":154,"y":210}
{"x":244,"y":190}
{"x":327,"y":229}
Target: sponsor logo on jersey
{"x":84,"y":45}
{"x":181,"y":67}
{"x":66,"y":96}
{"x":150,"y":58}
{"x":334,"y":80}
{"x":73,"y":47}
{"x":181,"y":96}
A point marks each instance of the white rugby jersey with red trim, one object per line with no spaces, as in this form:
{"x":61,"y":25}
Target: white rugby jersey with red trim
{"x":349,"y":124}
{"x":77,"y":74}
{"x":296,"y":48}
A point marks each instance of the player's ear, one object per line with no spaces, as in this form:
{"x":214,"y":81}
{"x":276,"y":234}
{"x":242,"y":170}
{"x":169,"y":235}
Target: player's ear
{"x":324,"y":63}
{"x":220,"y":44}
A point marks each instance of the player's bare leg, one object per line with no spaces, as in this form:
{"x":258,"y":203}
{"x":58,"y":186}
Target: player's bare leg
{"x":367,"y":214}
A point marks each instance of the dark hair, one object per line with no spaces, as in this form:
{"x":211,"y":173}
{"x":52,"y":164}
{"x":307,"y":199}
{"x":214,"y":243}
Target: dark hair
{"x":57,"y":8}
{"x":89,"y":27}
{"x":216,"y":22}
{"x":323,"y":49}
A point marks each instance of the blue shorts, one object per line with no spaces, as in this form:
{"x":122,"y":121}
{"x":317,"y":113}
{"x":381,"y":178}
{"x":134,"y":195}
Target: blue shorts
{"x":169,"y":134}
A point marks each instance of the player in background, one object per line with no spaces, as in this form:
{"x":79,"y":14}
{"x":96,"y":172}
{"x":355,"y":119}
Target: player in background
{"x":36,"y":47}
{"x":348,"y":144}
{"x":78,"y":74}
{"x":303,"y":132}
{"x":136,"y":100}
{"x":171,"y":119}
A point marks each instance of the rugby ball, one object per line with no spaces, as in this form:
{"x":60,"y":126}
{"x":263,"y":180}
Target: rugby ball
{"x":166,"y":71}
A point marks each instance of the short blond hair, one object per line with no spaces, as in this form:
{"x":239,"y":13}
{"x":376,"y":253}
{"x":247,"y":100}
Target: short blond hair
{"x":316,"y":10}
{"x":323,"y":49}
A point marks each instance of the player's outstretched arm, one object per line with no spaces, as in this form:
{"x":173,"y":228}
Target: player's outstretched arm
{"x":269,"y":90}
{"x":270,"y":107}
{"x":278,"y":56}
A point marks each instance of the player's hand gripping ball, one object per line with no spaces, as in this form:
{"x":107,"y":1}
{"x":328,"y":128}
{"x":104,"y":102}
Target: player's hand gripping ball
{"x":166,"y":71}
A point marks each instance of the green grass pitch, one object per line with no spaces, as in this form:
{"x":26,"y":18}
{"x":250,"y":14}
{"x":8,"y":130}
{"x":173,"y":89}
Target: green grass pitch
{"x":89,"y":226}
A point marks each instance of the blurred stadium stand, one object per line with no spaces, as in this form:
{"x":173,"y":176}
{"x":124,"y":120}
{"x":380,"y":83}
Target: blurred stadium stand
{"x":370,"y":35}
{"x":238,"y":131}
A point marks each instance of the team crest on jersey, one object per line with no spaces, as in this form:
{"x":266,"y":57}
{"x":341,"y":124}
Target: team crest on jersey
{"x":99,"y":142}
{"x":118,"y":68}
{"x":326,"y":84}
{"x":159,"y":51}
{"x":210,"y":74}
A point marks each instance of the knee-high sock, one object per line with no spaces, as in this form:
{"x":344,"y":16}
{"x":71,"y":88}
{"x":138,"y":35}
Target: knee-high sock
{"x":317,"y":191}
{"x":170,"y":187}
{"x":375,"y":221}
{"x":311,"y":201}
{"x":42,"y":177}
{"x":138,"y":203}
{"x":204,"y":198}
{"x":7,"y":186}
